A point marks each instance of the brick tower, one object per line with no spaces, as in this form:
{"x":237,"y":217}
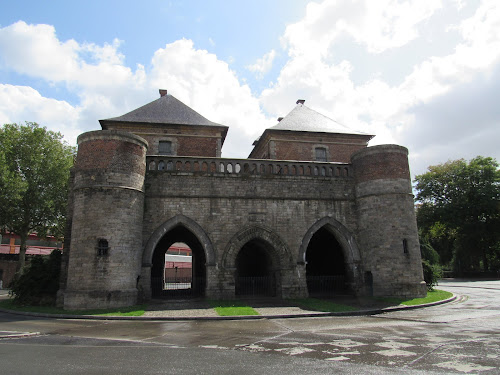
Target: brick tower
{"x":388,"y":234}
{"x":108,"y":204}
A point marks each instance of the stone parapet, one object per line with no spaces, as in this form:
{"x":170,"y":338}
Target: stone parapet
{"x":267,"y":167}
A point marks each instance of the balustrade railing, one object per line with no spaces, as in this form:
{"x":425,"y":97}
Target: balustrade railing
{"x":175,"y":164}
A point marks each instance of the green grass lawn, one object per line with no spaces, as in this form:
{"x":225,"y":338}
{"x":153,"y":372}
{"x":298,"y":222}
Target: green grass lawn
{"x":432,"y":296}
{"x":137,"y":310}
{"x":232,"y":308}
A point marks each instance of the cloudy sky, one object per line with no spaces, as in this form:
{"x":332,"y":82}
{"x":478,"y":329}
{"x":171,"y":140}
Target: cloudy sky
{"x":421,"y":73}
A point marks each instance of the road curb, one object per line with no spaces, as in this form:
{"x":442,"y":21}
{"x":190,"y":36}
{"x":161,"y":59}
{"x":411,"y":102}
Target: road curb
{"x":16,"y":335}
{"x":239,"y":317}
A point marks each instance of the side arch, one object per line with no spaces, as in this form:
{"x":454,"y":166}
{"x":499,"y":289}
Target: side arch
{"x":190,"y":224}
{"x":342,"y":234}
{"x":281,"y":254}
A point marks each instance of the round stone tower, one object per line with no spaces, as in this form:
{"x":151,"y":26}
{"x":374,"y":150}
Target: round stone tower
{"x":106,"y":235}
{"x":387,"y":234}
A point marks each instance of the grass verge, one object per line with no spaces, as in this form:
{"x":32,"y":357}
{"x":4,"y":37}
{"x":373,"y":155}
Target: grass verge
{"x":321,"y":305}
{"x":432,"y":296}
{"x":232,"y":308}
{"x":137,"y":310}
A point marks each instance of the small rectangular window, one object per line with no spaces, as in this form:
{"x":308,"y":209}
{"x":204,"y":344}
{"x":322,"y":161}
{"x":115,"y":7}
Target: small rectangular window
{"x":320,"y":154}
{"x":165,"y":148}
{"x":405,"y":246}
{"x":102,"y":247}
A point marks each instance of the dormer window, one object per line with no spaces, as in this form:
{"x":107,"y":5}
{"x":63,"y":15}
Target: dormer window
{"x":165,"y":148}
{"x":320,"y":154}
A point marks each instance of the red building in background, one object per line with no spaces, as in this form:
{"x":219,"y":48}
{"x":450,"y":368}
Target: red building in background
{"x":178,"y":272}
{"x":9,"y":252}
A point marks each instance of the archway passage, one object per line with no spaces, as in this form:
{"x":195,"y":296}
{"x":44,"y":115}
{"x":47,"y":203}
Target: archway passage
{"x":255,"y":274}
{"x":169,"y":281}
{"x":325,"y":265}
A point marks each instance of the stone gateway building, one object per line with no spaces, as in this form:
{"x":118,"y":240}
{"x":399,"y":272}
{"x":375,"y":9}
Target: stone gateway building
{"x":313,"y":210}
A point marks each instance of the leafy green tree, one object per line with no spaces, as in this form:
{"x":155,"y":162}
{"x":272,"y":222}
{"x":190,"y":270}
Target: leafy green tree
{"x":427,"y":251}
{"x":34,"y":172}
{"x":458,"y":208}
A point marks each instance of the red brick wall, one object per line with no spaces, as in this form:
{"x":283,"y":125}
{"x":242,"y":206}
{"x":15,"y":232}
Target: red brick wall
{"x":301,"y":145}
{"x":187,"y":140}
{"x":381,"y":162}
{"x":115,"y":154}
{"x":340,"y":153}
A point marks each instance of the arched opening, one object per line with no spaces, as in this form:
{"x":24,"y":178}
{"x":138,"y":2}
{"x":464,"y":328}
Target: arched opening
{"x":178,"y":271}
{"x":325,"y":265}
{"x":255,"y":274}
{"x":178,"y":265}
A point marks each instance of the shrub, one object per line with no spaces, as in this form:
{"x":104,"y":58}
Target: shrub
{"x":39,"y":282}
{"x":428,"y":252}
{"x":432,"y":273}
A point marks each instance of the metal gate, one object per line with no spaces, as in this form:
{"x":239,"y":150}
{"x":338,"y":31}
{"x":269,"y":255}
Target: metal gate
{"x":172,"y":287}
{"x":326,"y":285}
{"x":256,"y":286}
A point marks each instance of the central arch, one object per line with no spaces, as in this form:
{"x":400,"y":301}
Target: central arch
{"x":255,"y":257}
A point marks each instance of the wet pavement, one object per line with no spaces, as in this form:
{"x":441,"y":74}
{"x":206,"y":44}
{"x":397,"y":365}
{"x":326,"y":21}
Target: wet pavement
{"x":459,"y":337}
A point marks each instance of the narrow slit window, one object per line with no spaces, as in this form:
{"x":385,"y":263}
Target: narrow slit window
{"x":405,"y":246}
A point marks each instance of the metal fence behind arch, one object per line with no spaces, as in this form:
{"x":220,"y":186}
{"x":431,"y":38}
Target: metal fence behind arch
{"x":256,"y":286}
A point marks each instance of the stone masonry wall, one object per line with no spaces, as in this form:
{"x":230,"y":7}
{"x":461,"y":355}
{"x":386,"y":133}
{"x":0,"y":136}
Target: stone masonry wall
{"x":224,"y":205}
{"x":108,"y":204}
{"x":367,"y":205}
{"x":388,"y":233}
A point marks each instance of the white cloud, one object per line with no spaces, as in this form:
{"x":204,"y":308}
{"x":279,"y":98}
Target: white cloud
{"x":378,"y":25}
{"x":263,"y":65}
{"x":107,"y":88}
{"x":202,"y":81}
{"x":42,"y":54}
{"x":434,"y":109}
{"x":395,"y":113}
{"x":20,"y":103}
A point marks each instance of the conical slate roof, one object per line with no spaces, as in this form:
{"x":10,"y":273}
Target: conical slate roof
{"x":304,"y":119}
{"x":165,"y":110}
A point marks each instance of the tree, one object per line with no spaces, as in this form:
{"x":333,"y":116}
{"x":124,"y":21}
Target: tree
{"x":34,"y":173}
{"x":458,"y":208}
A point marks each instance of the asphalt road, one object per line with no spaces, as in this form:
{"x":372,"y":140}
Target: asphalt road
{"x":460,"y":337}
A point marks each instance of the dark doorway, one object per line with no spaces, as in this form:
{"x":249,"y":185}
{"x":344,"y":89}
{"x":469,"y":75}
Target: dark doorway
{"x":174,"y":283}
{"x":325,"y":265}
{"x":254,"y":270}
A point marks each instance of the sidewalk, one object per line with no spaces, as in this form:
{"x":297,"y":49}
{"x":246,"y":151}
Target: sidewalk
{"x":269,"y":308}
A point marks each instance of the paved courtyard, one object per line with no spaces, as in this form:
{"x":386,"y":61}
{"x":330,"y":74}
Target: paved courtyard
{"x":459,"y":337}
